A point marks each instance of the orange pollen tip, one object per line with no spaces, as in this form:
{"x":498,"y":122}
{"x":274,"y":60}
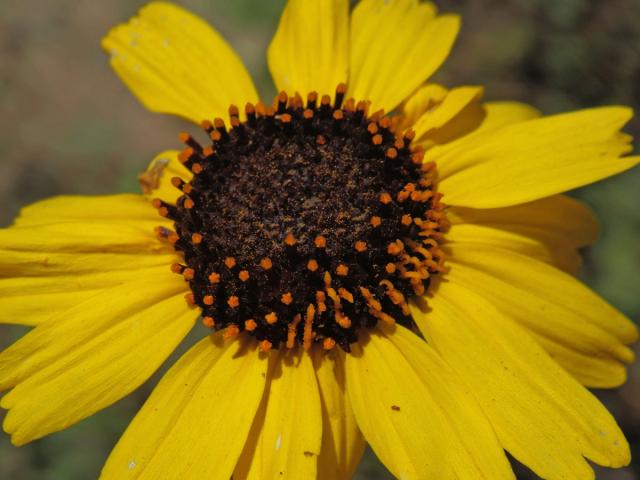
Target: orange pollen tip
{"x":218,"y":123}
{"x":377,"y":139}
{"x":376,"y":221}
{"x":187,"y":188}
{"x":184,"y":137}
{"x":392,"y":153}
{"x":326,"y":100}
{"x":156,"y":203}
{"x":243,"y":275}
{"x":344,"y":293}
{"x":233,"y":302}
{"x":344,"y":322}
{"x":403,"y":195}
{"x":233,"y":111}
{"x":185,"y":154}
{"x":271,"y":318}
{"x":188,"y":273}
{"x":350,"y":105}
{"x":385,"y":198}
{"x":196,"y":168}
{"x":320,"y":140}
{"x":287,"y":298}
{"x":230,"y":262}
{"x":410,"y":187}
{"x":393,"y":249}
{"x":188,"y":204}
{"x":290,"y":240}
{"x":176,"y":268}
{"x":328,"y":343}
{"x":208,"y":151}
{"x":342,"y":270}
{"x":164,"y":212}
{"x":173,"y":237}
{"x":232,"y":331}
{"x":266,"y":263}
{"x":390,"y":268}
{"x":312,"y":265}
{"x":341,"y":88}
{"x":308,"y":114}
{"x":190,"y":298}
{"x":208,"y":322}
{"x":407,"y":220}
{"x":250,"y":325}
{"x":338,"y":115}
{"x":286,"y":118}
{"x":361,"y":246}
{"x":208,"y":299}
{"x":206,"y":125}
{"x":399,"y":144}
{"x":176,"y":182}
{"x":372,"y":128}
{"x":214,"y":278}
{"x":320,"y":241}
{"x":215,"y":136}
{"x":410,"y":134}
{"x":197,"y":238}
{"x":265,"y":345}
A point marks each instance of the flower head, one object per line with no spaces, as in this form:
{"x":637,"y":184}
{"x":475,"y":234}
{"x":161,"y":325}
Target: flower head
{"x":379,"y":260}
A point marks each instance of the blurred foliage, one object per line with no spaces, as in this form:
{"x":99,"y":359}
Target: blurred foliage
{"x":67,"y":125}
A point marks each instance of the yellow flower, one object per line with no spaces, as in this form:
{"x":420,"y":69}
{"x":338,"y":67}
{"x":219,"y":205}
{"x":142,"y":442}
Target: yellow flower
{"x":350,"y":305}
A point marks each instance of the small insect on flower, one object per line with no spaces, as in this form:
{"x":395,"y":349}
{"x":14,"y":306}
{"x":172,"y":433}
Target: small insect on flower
{"x":376,"y":262}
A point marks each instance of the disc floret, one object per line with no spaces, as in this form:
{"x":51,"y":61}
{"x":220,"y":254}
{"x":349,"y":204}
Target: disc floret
{"x":305,"y":222}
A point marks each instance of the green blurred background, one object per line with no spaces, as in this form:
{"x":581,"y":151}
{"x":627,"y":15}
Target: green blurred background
{"x":67,"y":125}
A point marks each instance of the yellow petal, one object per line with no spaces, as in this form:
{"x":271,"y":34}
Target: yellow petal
{"x":85,"y":321}
{"x":395,"y":46}
{"x":342,"y":442}
{"x":423,"y":100}
{"x":535,"y":159}
{"x":75,"y":245}
{"x":591,"y":371}
{"x":174,"y":62}
{"x":501,"y":114}
{"x":197,"y":419}
{"x":493,"y":116}
{"x":560,"y":254}
{"x":559,"y":224}
{"x":124,"y":208}
{"x":547,"y":301}
{"x":542,"y":416}
{"x":156,"y":181}
{"x":87,"y":377}
{"x":559,"y":216}
{"x":52,"y":264}
{"x":414,"y":415}
{"x":38,"y":286}
{"x":34,"y":309}
{"x":458,"y":404}
{"x":284,"y":441}
{"x":459,"y":113}
{"x":84,"y":237}
{"x":310,"y":49}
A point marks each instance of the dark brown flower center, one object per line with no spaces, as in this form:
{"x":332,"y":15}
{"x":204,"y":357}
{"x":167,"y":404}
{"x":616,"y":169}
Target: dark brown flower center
{"x":305,"y":223}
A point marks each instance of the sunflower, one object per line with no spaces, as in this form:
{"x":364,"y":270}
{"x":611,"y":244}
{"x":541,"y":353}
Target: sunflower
{"x":404,"y":280}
